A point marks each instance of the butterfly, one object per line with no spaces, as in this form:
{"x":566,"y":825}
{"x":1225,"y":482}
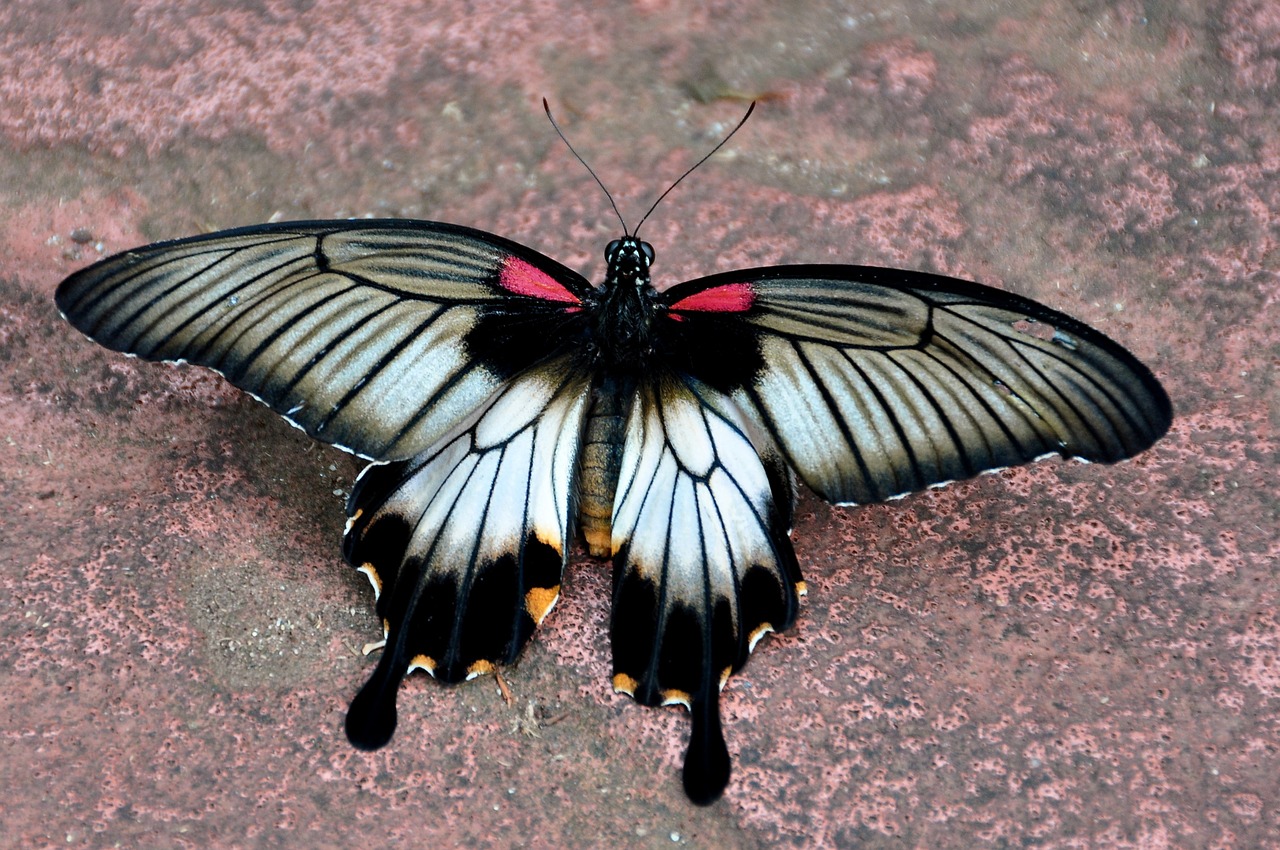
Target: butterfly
{"x":506,"y":404}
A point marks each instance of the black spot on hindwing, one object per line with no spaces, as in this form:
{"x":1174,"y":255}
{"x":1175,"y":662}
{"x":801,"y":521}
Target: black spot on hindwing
{"x":720,"y":350}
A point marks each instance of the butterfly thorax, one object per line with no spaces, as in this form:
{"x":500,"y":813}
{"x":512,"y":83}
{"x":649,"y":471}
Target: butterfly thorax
{"x":625,"y":313}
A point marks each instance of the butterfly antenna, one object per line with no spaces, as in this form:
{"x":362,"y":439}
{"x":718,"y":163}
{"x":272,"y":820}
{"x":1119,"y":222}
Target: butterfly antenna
{"x":547,"y":108}
{"x":693,"y":167}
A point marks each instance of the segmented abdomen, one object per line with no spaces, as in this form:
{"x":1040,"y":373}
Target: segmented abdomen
{"x":599,"y":464}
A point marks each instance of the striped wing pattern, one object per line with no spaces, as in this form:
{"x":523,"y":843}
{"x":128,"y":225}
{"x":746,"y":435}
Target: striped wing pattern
{"x":355,"y":332}
{"x":703,"y":565}
{"x":465,"y":543}
{"x":879,"y":382}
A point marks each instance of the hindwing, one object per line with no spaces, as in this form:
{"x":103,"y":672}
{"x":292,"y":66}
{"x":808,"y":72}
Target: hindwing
{"x":703,"y":565}
{"x":465,"y":543}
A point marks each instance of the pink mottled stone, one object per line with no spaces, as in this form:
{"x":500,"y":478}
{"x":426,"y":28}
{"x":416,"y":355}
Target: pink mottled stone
{"x":1062,"y":656}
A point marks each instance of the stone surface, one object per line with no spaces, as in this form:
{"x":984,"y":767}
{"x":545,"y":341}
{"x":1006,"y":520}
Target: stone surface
{"x":1060,"y":656}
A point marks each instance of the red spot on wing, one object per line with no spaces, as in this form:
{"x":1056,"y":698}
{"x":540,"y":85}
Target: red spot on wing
{"x":729,"y":298}
{"x":524,"y":279}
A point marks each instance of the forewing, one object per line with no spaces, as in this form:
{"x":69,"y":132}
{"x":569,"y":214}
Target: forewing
{"x":376,"y":336}
{"x":465,"y":544}
{"x":703,"y":566}
{"x":879,"y":382}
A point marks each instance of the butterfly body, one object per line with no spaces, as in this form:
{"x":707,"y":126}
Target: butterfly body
{"x":507,"y":404}
{"x":614,"y":342}
{"x":602,"y":462}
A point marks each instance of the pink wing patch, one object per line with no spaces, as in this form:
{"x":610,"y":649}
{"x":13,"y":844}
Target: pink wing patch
{"x":524,"y":279}
{"x":729,"y":298}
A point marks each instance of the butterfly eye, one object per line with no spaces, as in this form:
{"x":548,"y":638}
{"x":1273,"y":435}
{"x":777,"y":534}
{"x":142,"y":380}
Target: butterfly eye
{"x":611,"y":250}
{"x":648,"y":250}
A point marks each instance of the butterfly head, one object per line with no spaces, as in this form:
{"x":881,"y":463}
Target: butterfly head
{"x":629,"y":259}
{"x":625,"y":309}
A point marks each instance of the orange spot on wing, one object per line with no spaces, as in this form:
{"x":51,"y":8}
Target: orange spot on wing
{"x":351,"y":521}
{"x":539,"y":600}
{"x":422,"y":662}
{"x":675,"y":696}
{"x":374,"y":579}
{"x":759,"y":632}
{"x":480,"y":668}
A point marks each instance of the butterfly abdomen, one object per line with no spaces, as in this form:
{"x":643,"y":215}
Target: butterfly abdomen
{"x":599,"y":465}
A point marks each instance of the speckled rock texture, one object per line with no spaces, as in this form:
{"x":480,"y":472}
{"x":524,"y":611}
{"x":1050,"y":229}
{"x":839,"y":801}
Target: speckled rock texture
{"x":1061,"y":656}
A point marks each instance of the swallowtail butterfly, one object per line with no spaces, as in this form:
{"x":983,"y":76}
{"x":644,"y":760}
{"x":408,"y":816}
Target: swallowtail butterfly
{"x":506,"y":403}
